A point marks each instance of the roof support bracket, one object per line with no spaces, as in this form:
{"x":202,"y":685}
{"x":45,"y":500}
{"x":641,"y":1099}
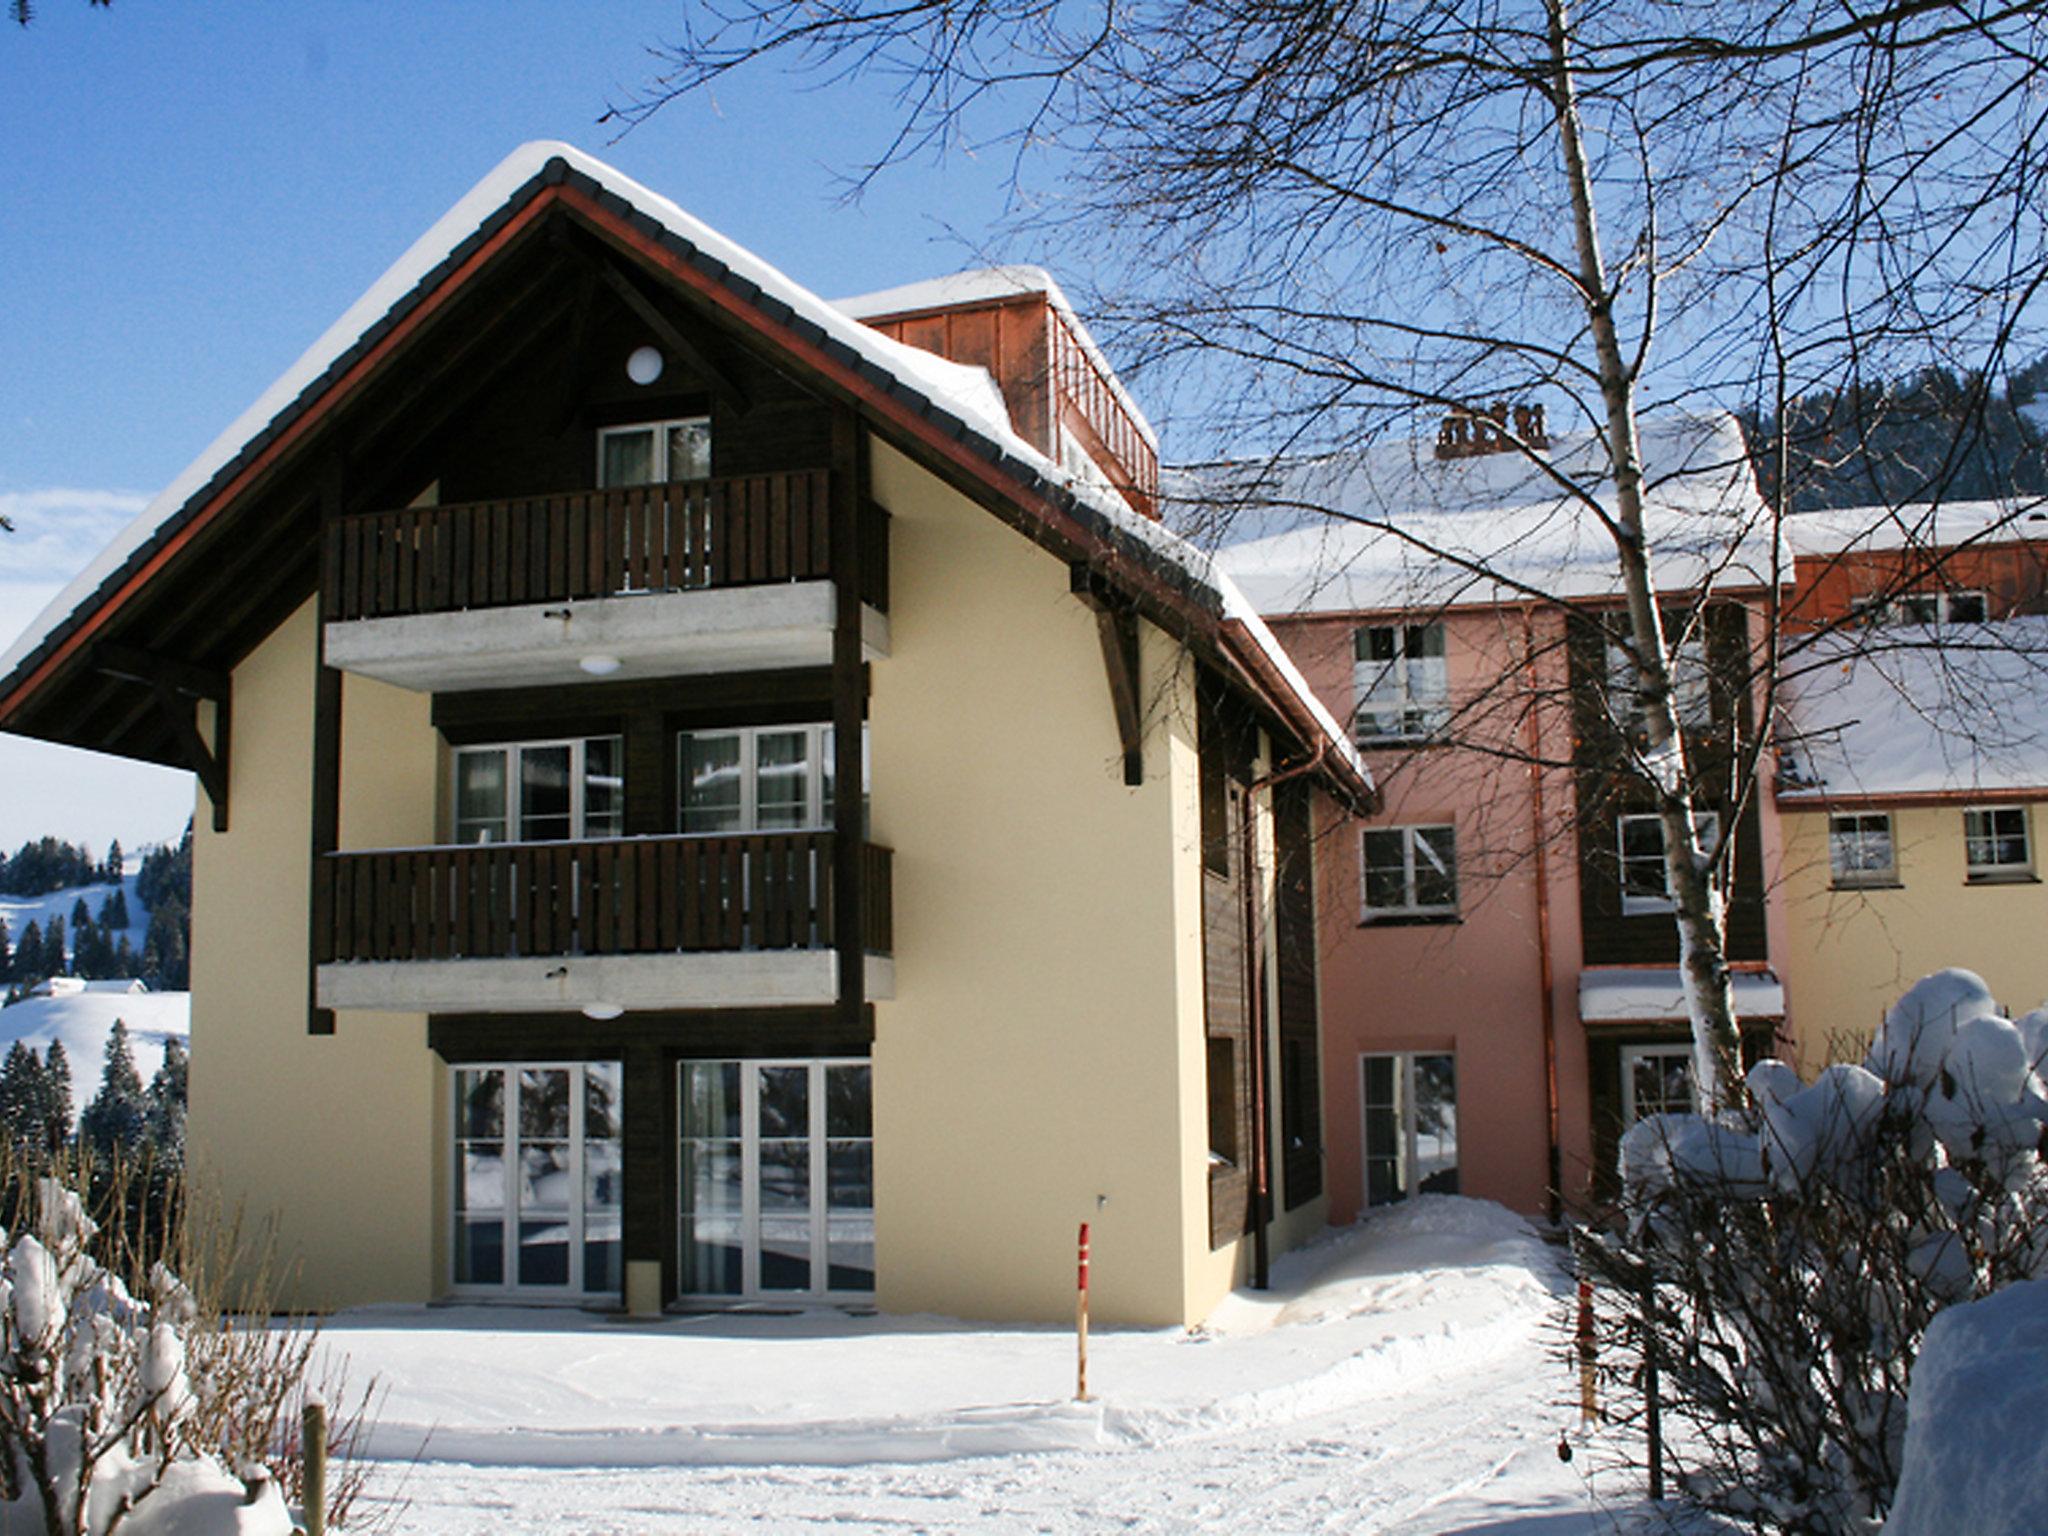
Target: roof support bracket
{"x":1116,"y":625}
{"x":176,"y":685}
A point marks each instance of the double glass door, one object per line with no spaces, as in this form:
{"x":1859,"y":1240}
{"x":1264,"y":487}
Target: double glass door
{"x":776,"y":1178}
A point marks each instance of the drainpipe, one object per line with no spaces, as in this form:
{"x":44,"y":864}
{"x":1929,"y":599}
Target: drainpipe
{"x":1539,"y":838}
{"x":1248,"y":861}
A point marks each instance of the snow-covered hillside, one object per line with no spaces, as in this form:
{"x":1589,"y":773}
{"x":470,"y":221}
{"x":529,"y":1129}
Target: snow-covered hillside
{"x":19,"y":911}
{"x":84,"y":1020}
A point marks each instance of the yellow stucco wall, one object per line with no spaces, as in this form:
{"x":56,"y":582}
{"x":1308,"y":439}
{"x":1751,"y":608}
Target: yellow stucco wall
{"x":1044,"y":1047}
{"x":333,"y":1137}
{"x":1850,"y":953}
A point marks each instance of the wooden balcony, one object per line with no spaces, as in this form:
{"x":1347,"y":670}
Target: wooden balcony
{"x":613,"y":896}
{"x":695,"y":576}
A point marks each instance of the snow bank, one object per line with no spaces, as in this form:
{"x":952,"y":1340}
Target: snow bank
{"x":1976,"y":1456}
{"x":84,"y":1020}
{"x":1405,"y":1302}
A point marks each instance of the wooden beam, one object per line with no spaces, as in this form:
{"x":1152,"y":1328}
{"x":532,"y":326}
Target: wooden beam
{"x":175,"y":685}
{"x":1116,"y":626}
{"x":140,"y":666}
{"x":849,"y":487}
{"x":671,"y":335}
{"x":325,"y":835}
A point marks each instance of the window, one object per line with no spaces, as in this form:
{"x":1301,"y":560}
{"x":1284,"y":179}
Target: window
{"x":1410,"y":871}
{"x":1995,"y":843}
{"x":770,"y":778}
{"x":540,"y":791}
{"x":1692,"y":693}
{"x":1655,"y":1080}
{"x":537,"y":1179}
{"x":776,"y":1178}
{"x":1410,"y":1104}
{"x":1960,"y":607}
{"x":1643,"y":884}
{"x":1222,"y":1079}
{"x":649,"y":453}
{"x":1401,"y":682}
{"x":1860,"y":849}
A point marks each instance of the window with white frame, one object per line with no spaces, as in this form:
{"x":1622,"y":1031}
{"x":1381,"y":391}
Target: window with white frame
{"x":1996,"y":843}
{"x":537,"y":1169}
{"x":1965,"y":606}
{"x":1410,"y":872}
{"x":1860,"y":848}
{"x":1409,"y":1103}
{"x":1692,"y":693}
{"x":1645,"y":886}
{"x":1655,"y":1080}
{"x":652,"y":452}
{"x":769,"y":778}
{"x":540,"y":791}
{"x":1401,"y":683}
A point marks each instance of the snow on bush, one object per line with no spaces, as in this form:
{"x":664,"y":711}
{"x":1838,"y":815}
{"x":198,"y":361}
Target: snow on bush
{"x":1976,"y":1456}
{"x":1783,"y":1259}
{"x":100,"y":1410}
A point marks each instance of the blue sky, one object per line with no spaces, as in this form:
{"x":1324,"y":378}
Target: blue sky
{"x":192,"y":194}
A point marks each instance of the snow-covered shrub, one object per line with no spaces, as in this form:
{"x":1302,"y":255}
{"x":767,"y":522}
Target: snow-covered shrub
{"x":104,"y":1412}
{"x":1780,"y":1262}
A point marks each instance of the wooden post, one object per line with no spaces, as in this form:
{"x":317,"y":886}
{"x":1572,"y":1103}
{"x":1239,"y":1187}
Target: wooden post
{"x":1081,"y":1324}
{"x":1653,"y":1409}
{"x":313,"y":1444}
{"x":1589,"y":1391}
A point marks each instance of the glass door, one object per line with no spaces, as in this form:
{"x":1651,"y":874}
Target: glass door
{"x":776,"y":1177}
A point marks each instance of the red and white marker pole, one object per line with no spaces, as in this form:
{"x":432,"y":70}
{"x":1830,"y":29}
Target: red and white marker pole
{"x":1081,"y":1323}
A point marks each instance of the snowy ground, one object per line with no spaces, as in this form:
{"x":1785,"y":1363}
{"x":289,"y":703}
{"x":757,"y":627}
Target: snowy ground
{"x":1398,"y":1378}
{"x":20,"y":911}
{"x":84,"y":1020}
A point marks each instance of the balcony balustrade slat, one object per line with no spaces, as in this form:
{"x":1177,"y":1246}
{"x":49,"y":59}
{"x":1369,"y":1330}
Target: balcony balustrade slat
{"x":401,"y":558}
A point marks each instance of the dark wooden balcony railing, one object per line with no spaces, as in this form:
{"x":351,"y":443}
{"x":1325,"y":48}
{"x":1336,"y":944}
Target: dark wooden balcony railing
{"x":743,"y":530}
{"x":622,"y":896}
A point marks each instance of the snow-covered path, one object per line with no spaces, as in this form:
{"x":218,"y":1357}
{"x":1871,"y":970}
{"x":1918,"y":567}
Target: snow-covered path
{"x":1398,"y":1379}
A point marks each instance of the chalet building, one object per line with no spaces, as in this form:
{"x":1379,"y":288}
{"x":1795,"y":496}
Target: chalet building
{"x":1914,"y":761}
{"x":1499,"y":964}
{"x":708,"y":801}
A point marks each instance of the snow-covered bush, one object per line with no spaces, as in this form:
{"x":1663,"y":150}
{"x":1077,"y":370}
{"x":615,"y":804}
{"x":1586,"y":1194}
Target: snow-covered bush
{"x":1780,"y":1262}
{"x":103,"y":1417}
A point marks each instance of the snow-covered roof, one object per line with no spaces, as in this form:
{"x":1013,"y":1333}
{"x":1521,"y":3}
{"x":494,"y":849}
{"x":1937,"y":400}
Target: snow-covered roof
{"x":983,"y":285}
{"x":1626,"y":996}
{"x":1907,"y":709}
{"x":1842,"y":530}
{"x":959,"y":400}
{"x":1393,"y":526}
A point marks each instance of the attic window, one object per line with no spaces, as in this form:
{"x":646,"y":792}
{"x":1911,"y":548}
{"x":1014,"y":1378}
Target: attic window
{"x":1472,"y":430}
{"x":654,"y":452}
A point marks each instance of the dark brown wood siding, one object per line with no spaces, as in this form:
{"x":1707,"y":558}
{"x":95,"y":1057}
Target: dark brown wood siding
{"x":1294,"y":925}
{"x":1225,"y":744}
{"x":1607,"y":790}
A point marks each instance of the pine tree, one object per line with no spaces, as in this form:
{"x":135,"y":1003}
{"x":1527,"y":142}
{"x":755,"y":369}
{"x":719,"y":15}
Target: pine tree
{"x":55,"y":958}
{"x":166,"y":959}
{"x":127,"y":964}
{"x":86,"y":944}
{"x":117,"y":1119}
{"x":57,"y":1096}
{"x":6,"y":953}
{"x":28,"y":955}
{"x":23,"y":1097}
{"x":111,"y":871}
{"x":166,"y":1098}
{"x":114,"y":911}
{"x":80,"y":912}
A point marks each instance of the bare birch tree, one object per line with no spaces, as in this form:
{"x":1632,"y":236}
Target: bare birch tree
{"x":1318,"y":222}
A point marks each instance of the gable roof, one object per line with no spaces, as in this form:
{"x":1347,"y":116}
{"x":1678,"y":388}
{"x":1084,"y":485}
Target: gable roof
{"x":946,"y":414}
{"x":1394,"y":527}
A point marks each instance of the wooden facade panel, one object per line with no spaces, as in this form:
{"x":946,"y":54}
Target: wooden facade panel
{"x":1294,"y":924}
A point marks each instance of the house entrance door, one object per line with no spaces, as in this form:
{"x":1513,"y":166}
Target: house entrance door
{"x":776,"y":1180}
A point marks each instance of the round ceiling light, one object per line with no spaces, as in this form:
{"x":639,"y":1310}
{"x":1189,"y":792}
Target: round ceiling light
{"x":600,"y":666}
{"x":602,"y":1011}
{"x":645,"y":365}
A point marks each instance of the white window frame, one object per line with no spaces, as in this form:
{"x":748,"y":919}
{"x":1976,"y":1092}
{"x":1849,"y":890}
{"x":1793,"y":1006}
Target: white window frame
{"x":1992,"y":874}
{"x":1631,"y":1112}
{"x":1847,"y":830}
{"x":509,"y":1287}
{"x":1409,"y":859}
{"x":818,"y":744}
{"x":749,"y":1138}
{"x":1692,"y":683}
{"x":1414,"y":686}
{"x":578,"y":759}
{"x":1409,"y":1157}
{"x":1708,"y":824}
{"x":661,"y":431}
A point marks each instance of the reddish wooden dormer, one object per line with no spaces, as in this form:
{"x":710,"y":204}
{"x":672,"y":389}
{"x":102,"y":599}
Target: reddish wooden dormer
{"x":1062,"y":395}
